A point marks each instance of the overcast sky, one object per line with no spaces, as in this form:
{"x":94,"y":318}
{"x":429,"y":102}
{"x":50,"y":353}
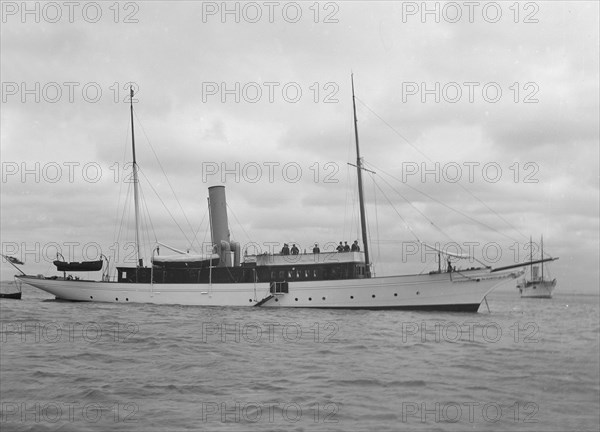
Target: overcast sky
{"x":479,"y":119}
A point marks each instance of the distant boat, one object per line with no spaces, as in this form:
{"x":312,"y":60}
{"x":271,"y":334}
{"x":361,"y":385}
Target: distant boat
{"x":12,"y":290}
{"x":15,"y":295}
{"x":315,"y":280}
{"x":536,"y":286}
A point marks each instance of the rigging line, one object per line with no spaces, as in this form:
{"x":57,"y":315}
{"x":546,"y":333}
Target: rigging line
{"x":356,"y":218}
{"x":374,"y":263}
{"x":430,"y":160}
{"x":123,"y":226}
{"x":143,"y":224}
{"x":164,"y":205}
{"x":350,"y":197}
{"x":125,"y":212}
{"x":238,"y":222}
{"x":396,"y":131}
{"x":207,"y":229}
{"x":446,"y":205}
{"x":118,"y":228}
{"x":354,"y":213}
{"x":195,"y":239}
{"x":424,"y":269}
{"x":147,"y":216}
{"x":492,"y":210}
{"x":121,"y":182}
{"x":369,"y":237}
{"x":164,"y":173}
{"x":206,"y":234}
{"x":399,"y":215}
{"x":376,"y":216}
{"x":145,"y":235}
{"x":418,"y":211}
{"x":350,"y":216}
{"x":150,"y":220}
{"x":347,"y":200}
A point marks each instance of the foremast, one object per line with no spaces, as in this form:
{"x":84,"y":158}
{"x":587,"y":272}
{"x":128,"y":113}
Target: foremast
{"x":136,"y":200}
{"x":531,"y":258}
{"x":359,"y":168}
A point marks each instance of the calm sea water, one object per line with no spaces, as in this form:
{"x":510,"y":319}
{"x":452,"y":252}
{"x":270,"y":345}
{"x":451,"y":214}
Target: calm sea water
{"x":529,"y":365}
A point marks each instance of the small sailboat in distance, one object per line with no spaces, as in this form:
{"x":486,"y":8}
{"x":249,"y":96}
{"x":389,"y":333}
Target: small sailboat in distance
{"x":536,"y":286}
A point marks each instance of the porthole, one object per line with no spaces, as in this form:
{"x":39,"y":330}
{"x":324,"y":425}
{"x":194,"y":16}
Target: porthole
{"x":323,"y":298}
{"x":351,"y":297}
{"x":296,"y":299}
{"x":310,"y":299}
{"x":116,"y":298}
{"x":395,"y":294}
{"x":373,"y":296}
{"x":417,"y":292}
{"x":92,"y":297}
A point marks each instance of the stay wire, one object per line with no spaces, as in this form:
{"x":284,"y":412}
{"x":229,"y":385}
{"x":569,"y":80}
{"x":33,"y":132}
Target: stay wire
{"x":459,"y":184}
{"x":165,"y":206}
{"x":431,"y":222}
{"x":165,"y":174}
{"x":238,"y":222}
{"x":398,"y":213}
{"x":447,"y":206}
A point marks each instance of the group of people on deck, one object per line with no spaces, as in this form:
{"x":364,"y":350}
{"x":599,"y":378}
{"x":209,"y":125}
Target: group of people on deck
{"x":341,"y":248}
{"x":345,"y":248}
{"x":286,"y":249}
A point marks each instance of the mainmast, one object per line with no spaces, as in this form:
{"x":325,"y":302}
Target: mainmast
{"x":542,"y":254}
{"x":363,"y":223}
{"x":136,"y":201}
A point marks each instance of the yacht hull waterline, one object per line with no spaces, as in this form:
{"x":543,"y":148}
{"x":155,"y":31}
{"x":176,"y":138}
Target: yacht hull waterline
{"x":460,"y":291}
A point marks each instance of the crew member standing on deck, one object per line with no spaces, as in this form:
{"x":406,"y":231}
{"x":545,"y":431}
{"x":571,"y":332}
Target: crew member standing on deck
{"x":295,"y":250}
{"x":355,"y":247}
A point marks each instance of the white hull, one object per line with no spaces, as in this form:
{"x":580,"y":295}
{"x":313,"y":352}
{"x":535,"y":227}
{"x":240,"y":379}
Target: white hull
{"x":537,"y":289}
{"x":460,"y":291}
